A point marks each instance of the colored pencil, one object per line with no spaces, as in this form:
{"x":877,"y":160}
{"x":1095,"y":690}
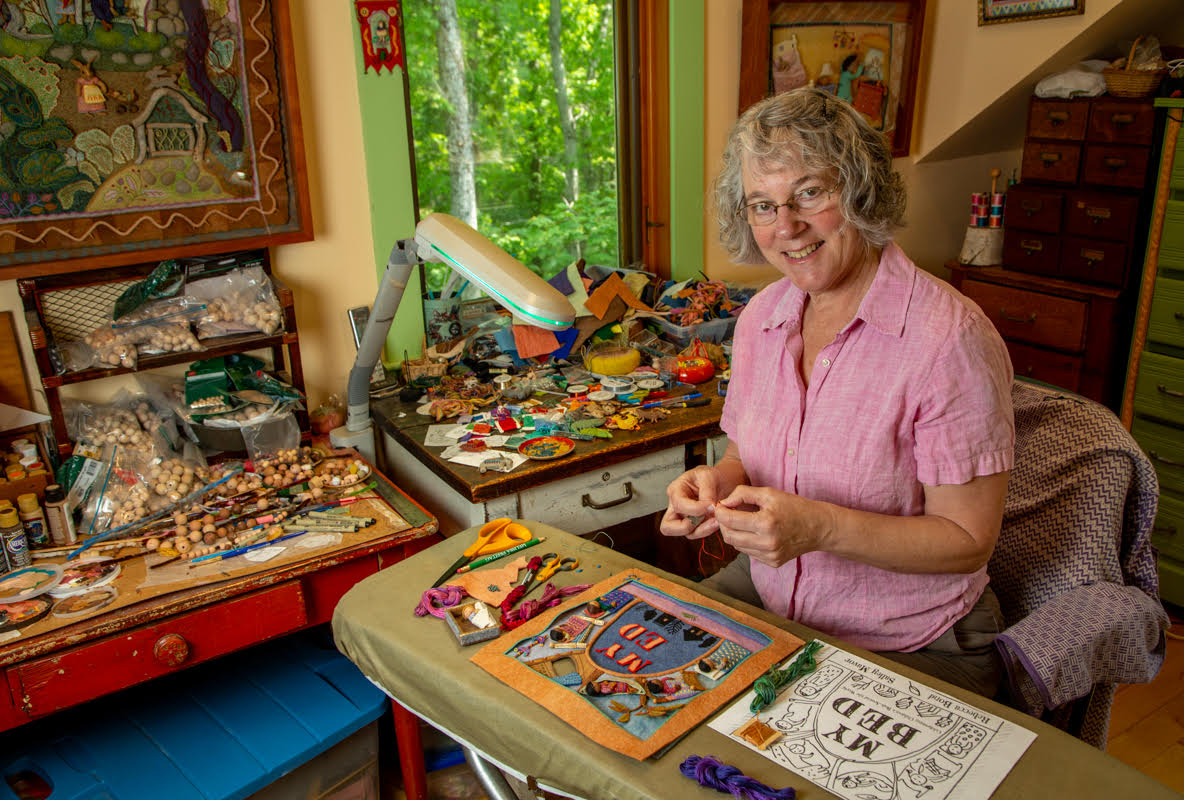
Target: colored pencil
{"x":495,"y":556}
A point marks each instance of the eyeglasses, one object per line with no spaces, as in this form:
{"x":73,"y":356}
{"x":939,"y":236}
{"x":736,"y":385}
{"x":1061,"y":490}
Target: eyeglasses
{"x":804,"y":203}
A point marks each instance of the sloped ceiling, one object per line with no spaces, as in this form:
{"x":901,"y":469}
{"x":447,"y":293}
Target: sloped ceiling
{"x":987,"y":75}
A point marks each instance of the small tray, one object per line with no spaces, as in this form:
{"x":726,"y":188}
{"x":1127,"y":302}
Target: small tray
{"x":546,"y":448}
{"x":465,"y":631}
{"x":29,"y":582}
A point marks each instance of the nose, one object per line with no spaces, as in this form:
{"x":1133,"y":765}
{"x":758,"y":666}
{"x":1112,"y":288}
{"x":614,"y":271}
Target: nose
{"x":788,"y":222}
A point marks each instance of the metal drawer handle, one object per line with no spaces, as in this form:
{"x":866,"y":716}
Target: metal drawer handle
{"x":1113,"y":163}
{"x":1058,"y":117}
{"x":1096,"y":215}
{"x":1122,"y":119}
{"x":588,"y":501}
{"x":1162,"y":460}
{"x":1169,"y":392}
{"x":1093,"y":256}
{"x":1050,"y":158}
{"x":1003,"y":313}
{"x":1031,"y":206}
{"x":1031,"y":246}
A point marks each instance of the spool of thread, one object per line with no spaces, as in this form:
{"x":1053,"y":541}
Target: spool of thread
{"x":995,"y":222}
{"x":977,"y":221}
{"x":999,"y":199}
{"x":978,"y":198}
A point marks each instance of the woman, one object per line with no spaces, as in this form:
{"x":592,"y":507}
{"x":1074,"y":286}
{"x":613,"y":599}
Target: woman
{"x":869,"y":410}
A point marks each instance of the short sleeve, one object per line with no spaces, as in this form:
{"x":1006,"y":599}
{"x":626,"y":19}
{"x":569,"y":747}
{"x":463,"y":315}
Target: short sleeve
{"x":965,"y":426}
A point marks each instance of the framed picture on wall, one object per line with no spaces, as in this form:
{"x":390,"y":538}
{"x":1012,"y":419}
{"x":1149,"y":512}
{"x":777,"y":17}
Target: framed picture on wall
{"x":146,"y":129}
{"x":865,"y":52}
{"x":992,"y":11}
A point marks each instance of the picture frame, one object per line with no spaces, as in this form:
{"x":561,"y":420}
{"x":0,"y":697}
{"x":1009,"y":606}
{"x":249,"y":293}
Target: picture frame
{"x":150,"y":130}
{"x":865,"y":51}
{"x":991,"y":12}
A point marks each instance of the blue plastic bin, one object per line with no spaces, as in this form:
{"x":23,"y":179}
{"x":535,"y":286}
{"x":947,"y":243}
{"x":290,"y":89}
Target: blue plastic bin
{"x":221,"y":731}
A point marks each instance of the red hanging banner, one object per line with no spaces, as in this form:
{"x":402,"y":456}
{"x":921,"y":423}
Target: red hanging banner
{"x":381,"y":38}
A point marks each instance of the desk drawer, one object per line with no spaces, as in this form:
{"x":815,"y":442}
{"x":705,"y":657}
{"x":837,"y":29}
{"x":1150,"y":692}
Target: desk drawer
{"x":1101,"y":215}
{"x":110,"y":664}
{"x":1047,"y":366}
{"x":1033,"y":209}
{"x":1164,"y":445}
{"x":1122,"y":122}
{"x":1115,"y":165}
{"x":1057,"y":119}
{"x":623,"y":491}
{"x":1166,"y":325}
{"x":1159,"y":388}
{"x":1051,"y":162}
{"x":1033,"y":317}
{"x":1026,"y":251}
{"x":1093,"y":261}
{"x":1168,"y":533}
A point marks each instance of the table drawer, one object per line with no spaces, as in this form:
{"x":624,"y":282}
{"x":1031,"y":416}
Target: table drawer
{"x":1033,"y":317}
{"x":1123,"y":123}
{"x":1094,"y":261}
{"x":110,"y":664}
{"x":1168,"y":533}
{"x":1057,"y":119}
{"x":1051,"y":162}
{"x":1159,"y":387}
{"x":1166,"y":325}
{"x":1164,"y":445}
{"x":1101,"y":216}
{"x":1047,"y":366}
{"x":1026,"y":251}
{"x":1033,"y":209}
{"x":1115,"y":165}
{"x":622,"y":491}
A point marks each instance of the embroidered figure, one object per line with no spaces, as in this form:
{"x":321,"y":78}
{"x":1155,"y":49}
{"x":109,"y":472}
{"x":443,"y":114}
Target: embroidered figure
{"x":89,"y":89}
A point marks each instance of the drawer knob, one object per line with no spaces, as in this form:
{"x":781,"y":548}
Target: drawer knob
{"x":1058,"y":117}
{"x":588,"y":501}
{"x":1122,"y":119}
{"x":171,"y":650}
{"x":1050,"y":158}
{"x":1114,"y":164}
{"x":1029,"y":319}
{"x":1169,"y":392}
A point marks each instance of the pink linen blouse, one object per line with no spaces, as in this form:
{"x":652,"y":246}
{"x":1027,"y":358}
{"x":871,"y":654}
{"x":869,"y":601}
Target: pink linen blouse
{"x":915,"y":390}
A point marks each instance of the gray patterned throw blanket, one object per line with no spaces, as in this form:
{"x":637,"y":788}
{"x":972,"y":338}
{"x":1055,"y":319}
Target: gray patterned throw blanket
{"x":1074,"y":568}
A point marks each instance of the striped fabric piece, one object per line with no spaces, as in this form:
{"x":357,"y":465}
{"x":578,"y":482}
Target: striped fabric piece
{"x":1074,"y":568}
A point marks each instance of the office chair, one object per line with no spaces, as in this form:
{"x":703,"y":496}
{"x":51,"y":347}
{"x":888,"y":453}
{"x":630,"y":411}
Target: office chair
{"x":1074,"y":568}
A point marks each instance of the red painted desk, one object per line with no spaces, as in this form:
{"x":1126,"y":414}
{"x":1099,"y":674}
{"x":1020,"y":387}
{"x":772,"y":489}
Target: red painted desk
{"x":156,"y":627}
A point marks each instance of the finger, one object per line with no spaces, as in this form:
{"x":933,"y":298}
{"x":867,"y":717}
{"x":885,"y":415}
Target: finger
{"x":675,"y":524}
{"x":746,"y":495}
{"x":704,"y":529}
{"x":737,"y":519}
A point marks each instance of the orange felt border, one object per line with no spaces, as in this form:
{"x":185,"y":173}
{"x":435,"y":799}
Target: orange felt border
{"x":559,"y":700}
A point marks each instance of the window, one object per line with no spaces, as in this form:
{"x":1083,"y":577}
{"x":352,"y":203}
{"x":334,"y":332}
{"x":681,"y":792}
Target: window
{"x":531,"y":131}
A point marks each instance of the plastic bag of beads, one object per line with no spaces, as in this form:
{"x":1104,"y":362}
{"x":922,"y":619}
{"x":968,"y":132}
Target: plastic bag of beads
{"x":182,"y":308}
{"x":119,"y":496}
{"x":106,"y":424}
{"x":112,"y":348}
{"x":166,"y":394}
{"x":266,"y":439}
{"x":241,"y":301}
{"x":163,"y":337}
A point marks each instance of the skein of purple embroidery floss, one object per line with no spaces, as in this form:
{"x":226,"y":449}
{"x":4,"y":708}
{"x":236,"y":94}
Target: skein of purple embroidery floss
{"x":726,"y":778}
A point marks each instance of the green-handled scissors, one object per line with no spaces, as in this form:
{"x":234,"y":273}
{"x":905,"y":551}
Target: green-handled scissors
{"x":493,"y":537}
{"x":549,"y":568}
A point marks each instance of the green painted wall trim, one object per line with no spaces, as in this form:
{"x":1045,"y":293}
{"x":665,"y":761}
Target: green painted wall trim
{"x":687,"y":42}
{"x":382,"y":104}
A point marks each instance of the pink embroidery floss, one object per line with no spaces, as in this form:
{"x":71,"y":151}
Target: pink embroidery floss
{"x":726,"y":778}
{"x":437,"y":601}
{"x":551,"y":597}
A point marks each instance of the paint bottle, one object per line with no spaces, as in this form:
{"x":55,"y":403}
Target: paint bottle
{"x":12,"y":534}
{"x":33,"y":519}
{"x":58,"y":516}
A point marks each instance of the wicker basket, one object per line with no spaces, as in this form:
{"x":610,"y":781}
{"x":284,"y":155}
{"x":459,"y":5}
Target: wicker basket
{"x":1123,"y":82}
{"x":422,"y":367}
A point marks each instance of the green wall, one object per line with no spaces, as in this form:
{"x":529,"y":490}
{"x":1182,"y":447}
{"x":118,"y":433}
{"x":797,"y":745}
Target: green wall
{"x":687,"y":39}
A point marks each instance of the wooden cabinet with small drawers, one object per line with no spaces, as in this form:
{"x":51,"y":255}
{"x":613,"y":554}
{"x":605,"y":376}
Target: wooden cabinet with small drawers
{"x":1153,"y":396}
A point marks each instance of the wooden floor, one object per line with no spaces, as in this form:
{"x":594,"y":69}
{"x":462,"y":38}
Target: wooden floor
{"x":1147,"y":721}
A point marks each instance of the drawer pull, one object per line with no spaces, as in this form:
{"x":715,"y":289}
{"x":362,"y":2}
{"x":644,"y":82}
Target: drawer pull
{"x":1031,"y":206}
{"x":1029,"y":319}
{"x":1169,"y":392}
{"x":171,"y":650}
{"x":1058,"y":117}
{"x":1092,"y":256}
{"x":1122,"y":119}
{"x":1096,"y":215}
{"x":1170,"y":462}
{"x":588,"y":501}
{"x":1031,"y":246}
{"x":1050,"y":158}
{"x":1179,"y":315}
{"x":1114,"y":164}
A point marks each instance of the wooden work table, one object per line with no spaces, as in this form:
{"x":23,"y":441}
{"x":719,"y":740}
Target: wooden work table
{"x":178,"y":616}
{"x":603,"y":482}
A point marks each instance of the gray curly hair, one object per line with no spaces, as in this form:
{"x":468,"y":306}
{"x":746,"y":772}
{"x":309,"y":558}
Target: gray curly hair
{"x":810,"y":128}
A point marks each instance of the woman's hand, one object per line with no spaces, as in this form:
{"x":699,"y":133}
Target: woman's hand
{"x":772,"y":526}
{"x":692,"y":498}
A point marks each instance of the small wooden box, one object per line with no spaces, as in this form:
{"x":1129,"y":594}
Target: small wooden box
{"x":465,"y":631}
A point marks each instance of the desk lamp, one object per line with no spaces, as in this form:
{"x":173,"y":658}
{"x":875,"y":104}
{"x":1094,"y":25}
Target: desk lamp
{"x":445,"y":239}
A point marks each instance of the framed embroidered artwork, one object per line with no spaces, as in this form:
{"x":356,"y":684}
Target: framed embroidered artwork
{"x":865,"y":52}
{"x":143,"y":129}
{"x":992,"y":11}
{"x":636,"y":661}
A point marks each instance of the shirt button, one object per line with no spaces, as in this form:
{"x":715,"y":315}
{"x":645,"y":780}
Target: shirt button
{"x":790,"y":451}
{"x":826,"y":362}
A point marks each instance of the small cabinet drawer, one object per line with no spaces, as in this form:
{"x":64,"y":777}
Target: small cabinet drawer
{"x":1033,"y":209}
{"x":1166,"y":325}
{"x":1115,"y":165}
{"x":1094,"y":261}
{"x":1027,"y":251}
{"x":1047,"y":366}
{"x":1057,"y":119}
{"x":1112,"y":120}
{"x":1101,"y":216}
{"x":1171,"y":246}
{"x":85,"y":672}
{"x":1168,"y":531}
{"x":600,"y":498}
{"x":1033,"y":317}
{"x":1159,"y":388}
{"x":1164,"y":445}
{"x":1051,"y":162}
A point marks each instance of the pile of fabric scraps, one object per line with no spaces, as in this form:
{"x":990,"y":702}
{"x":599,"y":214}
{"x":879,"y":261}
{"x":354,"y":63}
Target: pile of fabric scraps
{"x":692,"y":303}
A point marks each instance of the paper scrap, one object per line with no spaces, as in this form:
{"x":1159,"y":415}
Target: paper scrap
{"x":598,"y":302}
{"x":437,"y":436}
{"x":474,"y":459}
{"x":264,"y":553}
{"x":530,"y":341}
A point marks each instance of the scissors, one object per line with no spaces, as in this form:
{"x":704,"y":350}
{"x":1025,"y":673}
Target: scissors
{"x":552,"y":563}
{"x":493,"y":537}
